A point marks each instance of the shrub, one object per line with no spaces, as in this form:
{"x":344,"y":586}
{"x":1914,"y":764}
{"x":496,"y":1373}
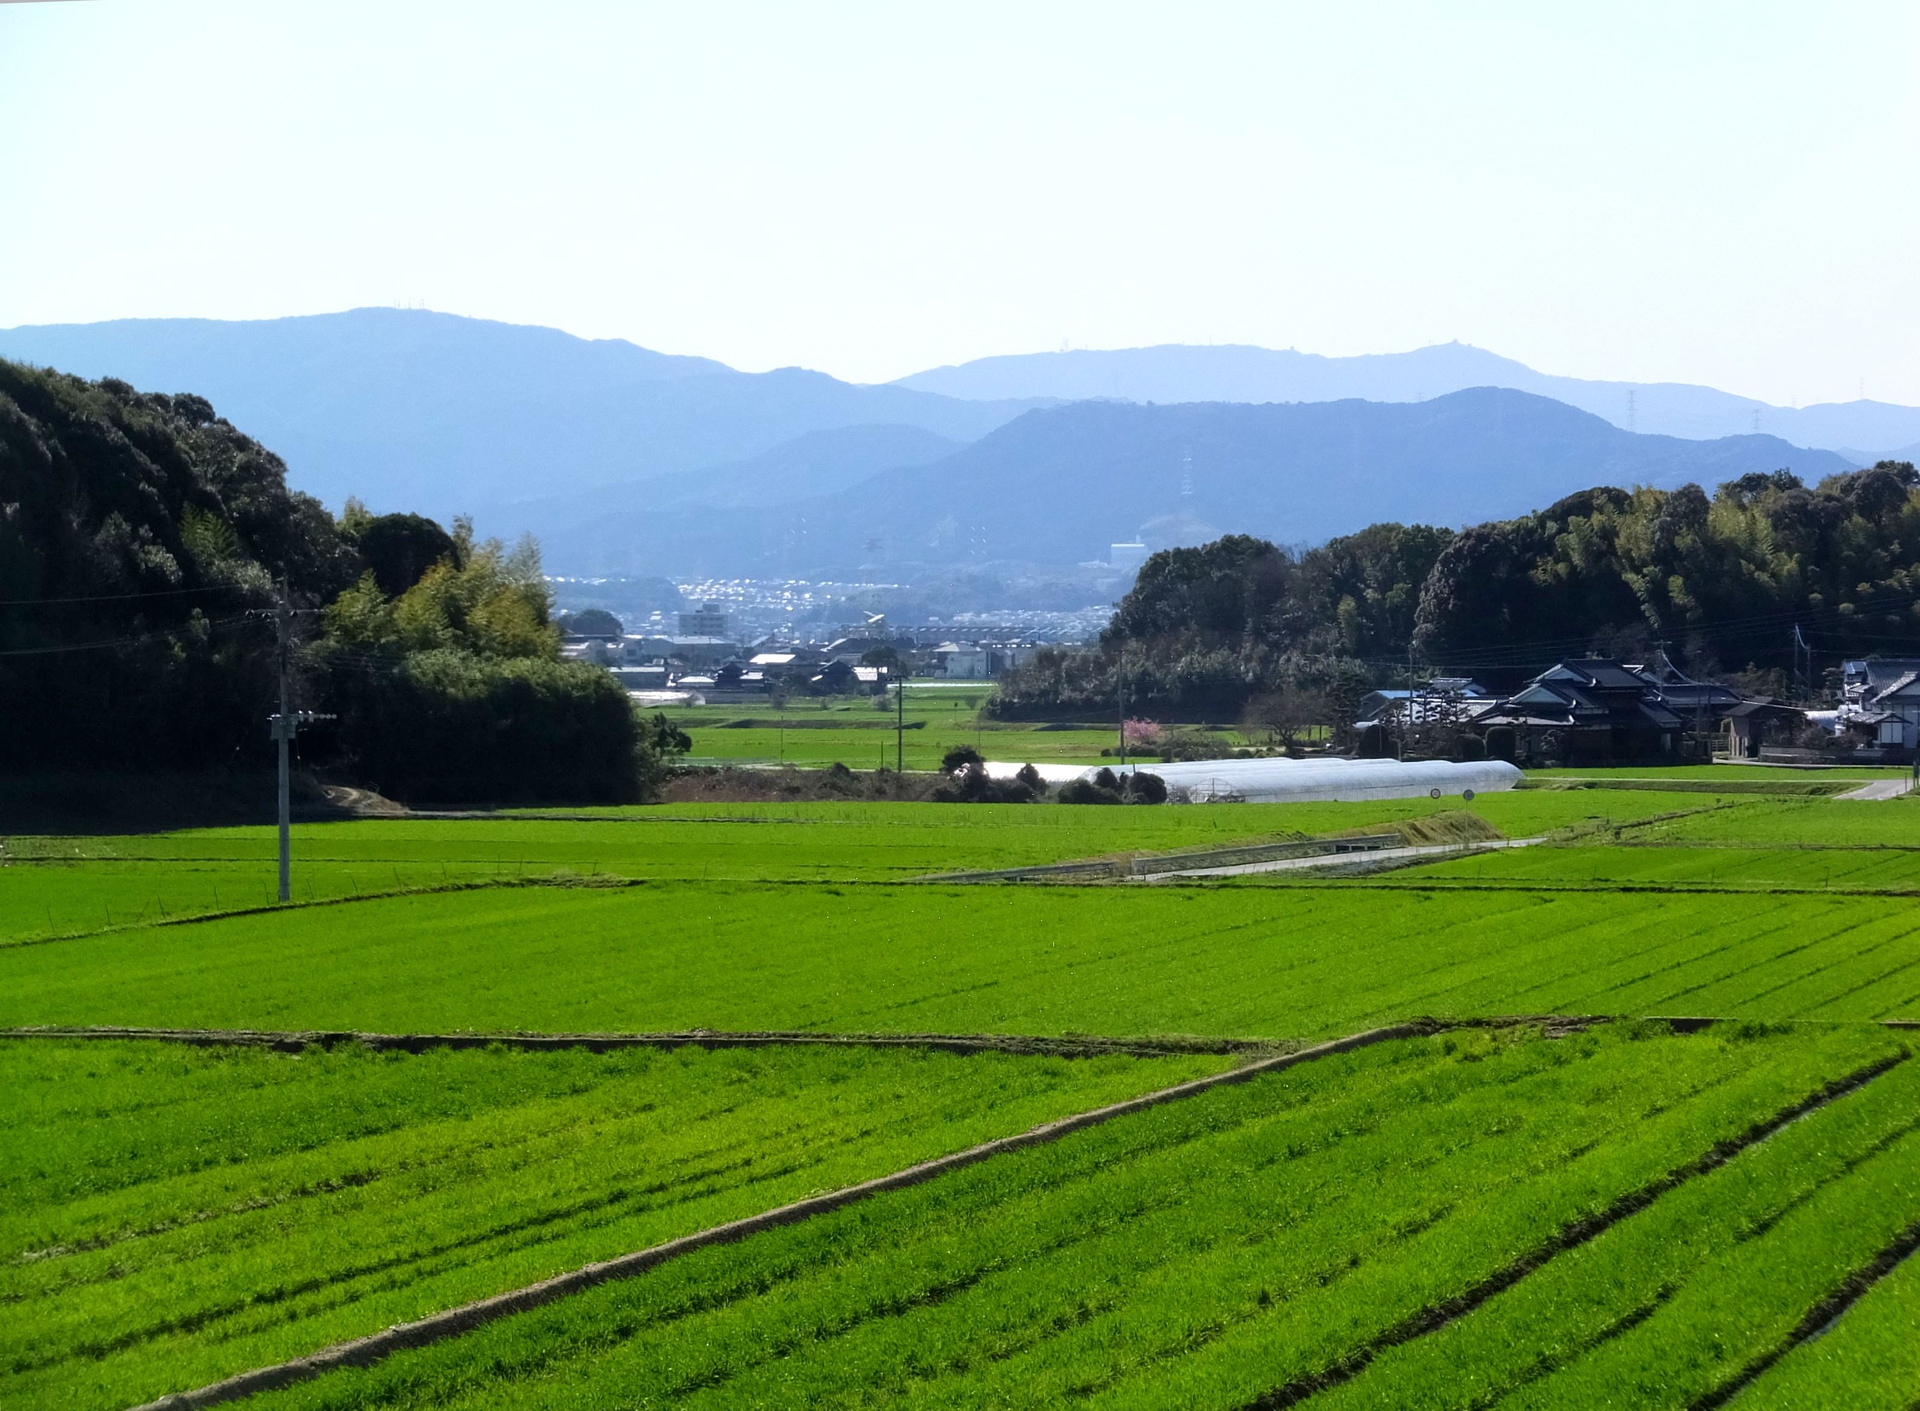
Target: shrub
{"x":446,"y":726}
{"x":1146,"y":788}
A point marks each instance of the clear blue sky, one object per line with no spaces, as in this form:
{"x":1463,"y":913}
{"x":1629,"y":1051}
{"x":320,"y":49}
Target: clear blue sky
{"x":1703,"y":192}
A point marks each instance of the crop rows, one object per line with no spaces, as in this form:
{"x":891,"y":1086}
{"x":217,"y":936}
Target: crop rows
{"x":1669,"y":1306}
{"x":1868,"y":1360}
{"x":60,"y":886}
{"x":1829,"y":822}
{"x":171,"y":1216}
{"x":1202,"y":1255}
{"x":1757,"y":868}
{"x":1118,"y":961}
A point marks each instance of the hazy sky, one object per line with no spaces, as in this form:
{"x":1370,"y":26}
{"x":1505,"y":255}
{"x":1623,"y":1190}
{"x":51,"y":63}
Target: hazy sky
{"x":1726,"y":194}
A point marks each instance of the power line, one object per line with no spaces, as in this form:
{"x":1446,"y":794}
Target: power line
{"x":123,"y":597}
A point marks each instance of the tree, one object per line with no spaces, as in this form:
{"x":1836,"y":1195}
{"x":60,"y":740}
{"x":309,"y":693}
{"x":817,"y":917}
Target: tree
{"x":961,"y":757}
{"x":591,"y":622}
{"x":1286,"y":715}
{"x":398,"y":549}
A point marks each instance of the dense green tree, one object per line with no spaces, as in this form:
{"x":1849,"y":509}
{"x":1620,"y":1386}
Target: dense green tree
{"x":137,"y":533}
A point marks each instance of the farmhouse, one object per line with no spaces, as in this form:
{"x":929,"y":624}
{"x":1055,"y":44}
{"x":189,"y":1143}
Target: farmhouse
{"x":1882,"y":694}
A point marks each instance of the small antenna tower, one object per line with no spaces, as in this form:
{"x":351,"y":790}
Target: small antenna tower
{"x":1186,"y":476}
{"x":1630,"y":410}
{"x":1756,"y":421}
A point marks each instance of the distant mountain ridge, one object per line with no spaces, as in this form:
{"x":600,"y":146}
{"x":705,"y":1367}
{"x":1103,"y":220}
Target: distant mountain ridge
{"x":1059,"y":485}
{"x":630,"y":461}
{"x":1239,"y":373}
{"x":434,"y":412}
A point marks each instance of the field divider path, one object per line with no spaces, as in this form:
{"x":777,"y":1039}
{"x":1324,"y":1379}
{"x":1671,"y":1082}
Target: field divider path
{"x":1024,"y":1045}
{"x":368,"y":1350}
{"x":1569,"y":1237}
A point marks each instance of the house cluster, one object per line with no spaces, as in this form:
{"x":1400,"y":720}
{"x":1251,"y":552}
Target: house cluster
{"x":1586,"y":710}
{"x":706,"y":657}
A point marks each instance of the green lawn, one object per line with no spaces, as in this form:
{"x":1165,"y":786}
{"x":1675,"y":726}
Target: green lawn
{"x":1253,"y":1242}
{"x":169,"y":1216}
{"x":1275,"y":962}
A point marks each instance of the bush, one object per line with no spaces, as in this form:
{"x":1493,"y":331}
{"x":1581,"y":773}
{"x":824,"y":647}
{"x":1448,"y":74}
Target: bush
{"x":1500,"y":744}
{"x":960,"y":757}
{"x":1146,"y":788}
{"x":1086,"y":791}
{"x":445,"y":726}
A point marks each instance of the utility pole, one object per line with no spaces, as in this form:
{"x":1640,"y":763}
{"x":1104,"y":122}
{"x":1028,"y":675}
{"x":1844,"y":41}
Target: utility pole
{"x":900,"y":726}
{"x":1406,"y":733}
{"x":282,"y":734}
{"x":284,"y":725}
{"x":1120,"y":678}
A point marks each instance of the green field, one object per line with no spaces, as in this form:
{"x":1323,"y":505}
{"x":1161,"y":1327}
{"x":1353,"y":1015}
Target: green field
{"x":1213,"y":1253}
{"x":850,"y":731}
{"x":1620,"y":1216}
{"x":62,"y":886}
{"x":1275,"y":962}
{"x":172,"y":1216}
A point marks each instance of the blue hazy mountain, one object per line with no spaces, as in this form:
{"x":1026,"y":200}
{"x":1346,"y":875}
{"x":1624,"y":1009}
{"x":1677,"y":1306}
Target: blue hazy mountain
{"x":598,"y":530}
{"x":1058,"y":485}
{"x":422,"y":411}
{"x":1235,"y":373}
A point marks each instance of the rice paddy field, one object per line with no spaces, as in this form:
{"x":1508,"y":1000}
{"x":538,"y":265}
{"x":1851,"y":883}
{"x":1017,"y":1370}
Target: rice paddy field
{"x":1633,"y":1120}
{"x":852,"y":731}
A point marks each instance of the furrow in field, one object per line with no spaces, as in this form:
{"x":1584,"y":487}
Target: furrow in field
{"x":1569,"y":1237}
{"x":1818,"y":1318}
{"x":1194,"y":1256}
{"x":295,"y":1040}
{"x":1574,"y":1309}
{"x":366,"y":1351}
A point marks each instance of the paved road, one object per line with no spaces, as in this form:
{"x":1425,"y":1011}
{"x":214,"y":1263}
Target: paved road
{"x":1879,"y":789}
{"x":1348,"y":859}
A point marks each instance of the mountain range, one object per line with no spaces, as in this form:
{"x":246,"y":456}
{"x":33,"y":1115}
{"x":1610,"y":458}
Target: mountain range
{"x":1062,"y":484}
{"x":628,"y":461}
{"x":1861,"y":430}
{"x":432,"y":412}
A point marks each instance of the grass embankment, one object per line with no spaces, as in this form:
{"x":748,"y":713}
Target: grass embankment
{"x":172,"y":1215}
{"x":1280,"y":962}
{"x":60,"y":886}
{"x":1264,"y":1240}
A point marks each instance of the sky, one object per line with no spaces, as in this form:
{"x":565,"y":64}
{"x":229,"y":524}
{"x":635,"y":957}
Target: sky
{"x":1715,"y":193}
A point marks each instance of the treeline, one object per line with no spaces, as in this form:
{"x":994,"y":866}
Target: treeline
{"x":142,"y":542}
{"x":1723,"y":583}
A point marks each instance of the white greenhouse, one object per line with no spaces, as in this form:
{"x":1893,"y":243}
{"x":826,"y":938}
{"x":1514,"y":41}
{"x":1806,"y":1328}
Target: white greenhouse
{"x":1303,"y":780}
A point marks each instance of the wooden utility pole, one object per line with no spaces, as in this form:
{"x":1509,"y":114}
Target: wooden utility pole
{"x":900,"y":725}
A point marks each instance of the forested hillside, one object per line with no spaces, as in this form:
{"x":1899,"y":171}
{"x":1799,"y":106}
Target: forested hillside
{"x":141,"y":541}
{"x":1722,"y":581}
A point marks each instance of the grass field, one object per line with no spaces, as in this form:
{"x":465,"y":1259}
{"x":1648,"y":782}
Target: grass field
{"x":174,"y":1215}
{"x":1623,"y":1216}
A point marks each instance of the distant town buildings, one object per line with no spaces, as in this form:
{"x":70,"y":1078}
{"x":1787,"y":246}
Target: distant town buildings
{"x":709,"y":620}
